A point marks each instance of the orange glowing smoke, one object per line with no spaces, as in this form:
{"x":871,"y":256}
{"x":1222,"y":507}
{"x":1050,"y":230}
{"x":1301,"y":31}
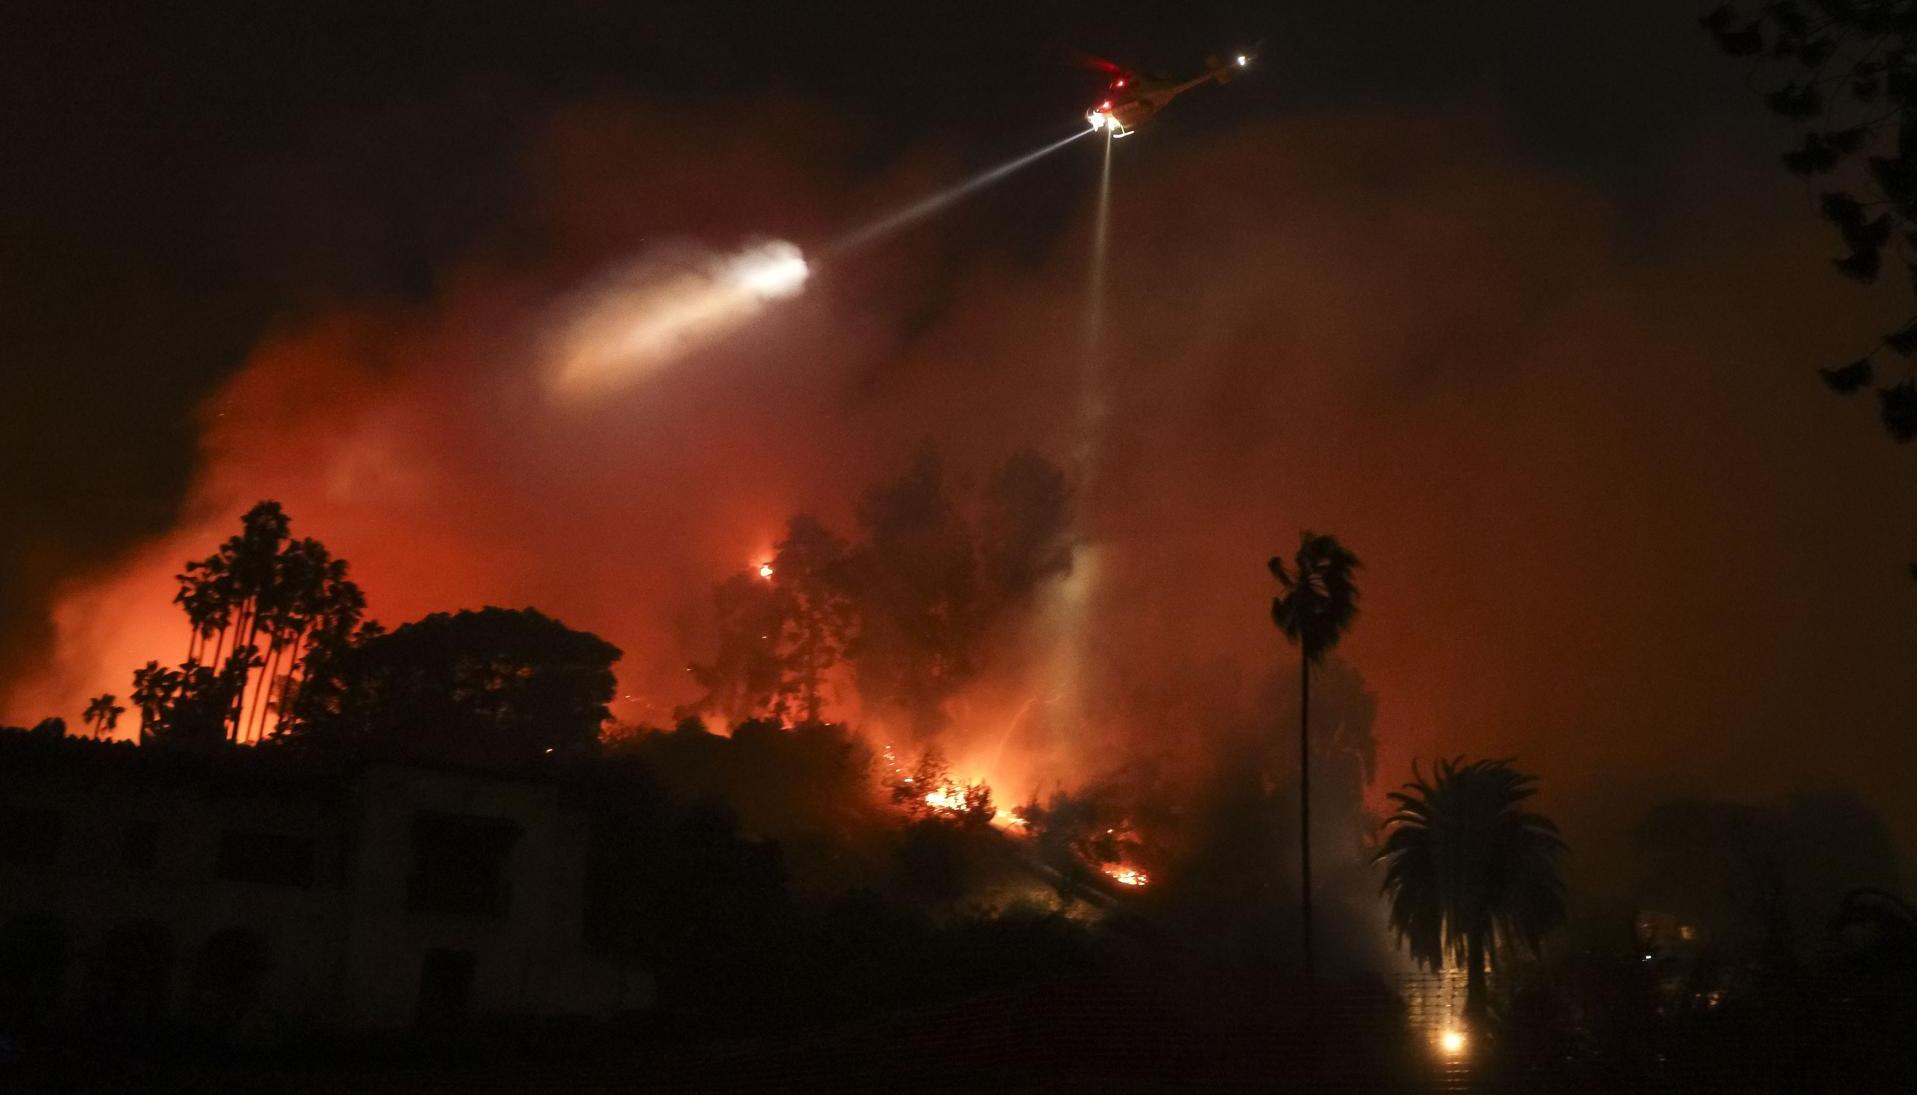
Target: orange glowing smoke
{"x":418,"y":443}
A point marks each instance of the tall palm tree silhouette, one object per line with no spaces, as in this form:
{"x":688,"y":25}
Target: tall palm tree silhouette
{"x":103,"y":714}
{"x":1468,"y":872}
{"x":1315,"y":606}
{"x":280,"y":598}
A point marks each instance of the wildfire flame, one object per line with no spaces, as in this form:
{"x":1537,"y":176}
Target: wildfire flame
{"x":1124,"y":875}
{"x":948,"y":797}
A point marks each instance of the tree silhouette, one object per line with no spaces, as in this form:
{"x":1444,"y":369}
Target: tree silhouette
{"x":1469,"y":874}
{"x":1071,"y":831}
{"x":809,"y":570}
{"x":907,"y":610}
{"x":1849,"y":77}
{"x":783,"y":627}
{"x":278,"y":598}
{"x":189,"y":705}
{"x":496,"y":687}
{"x":920,"y":598}
{"x":1025,"y":533}
{"x":103,"y":714}
{"x":1318,"y":599}
{"x":1759,"y":879}
{"x":743,"y":681}
{"x":156,"y":689}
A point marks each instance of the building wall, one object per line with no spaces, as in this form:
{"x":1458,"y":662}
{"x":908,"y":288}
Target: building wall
{"x":345,"y":945}
{"x":90,"y":890}
{"x":526,"y":957}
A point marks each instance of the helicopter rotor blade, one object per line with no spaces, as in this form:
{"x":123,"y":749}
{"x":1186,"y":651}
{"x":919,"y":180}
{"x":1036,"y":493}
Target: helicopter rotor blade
{"x":1097,"y":64}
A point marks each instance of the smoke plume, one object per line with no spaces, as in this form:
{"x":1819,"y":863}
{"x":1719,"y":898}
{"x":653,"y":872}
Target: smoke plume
{"x":1568,"y":463}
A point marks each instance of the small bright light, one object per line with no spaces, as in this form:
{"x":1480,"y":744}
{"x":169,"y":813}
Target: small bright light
{"x":1452,"y":1042}
{"x":1120,"y":82}
{"x":765,"y":570}
{"x":1098,"y":120}
{"x":1243,"y":60}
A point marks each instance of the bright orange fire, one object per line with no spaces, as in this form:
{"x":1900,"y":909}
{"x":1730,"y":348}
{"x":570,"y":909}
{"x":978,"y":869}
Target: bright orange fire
{"x":948,"y":797}
{"x":951,"y":795}
{"x":1125,"y":876}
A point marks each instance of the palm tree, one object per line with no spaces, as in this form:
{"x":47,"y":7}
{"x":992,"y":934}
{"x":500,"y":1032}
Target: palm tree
{"x":1314,"y":609}
{"x":278,"y":597}
{"x":1468,"y":872}
{"x":103,"y":714}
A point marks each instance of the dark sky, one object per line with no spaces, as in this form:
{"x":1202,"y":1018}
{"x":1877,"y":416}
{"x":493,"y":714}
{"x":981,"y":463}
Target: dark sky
{"x":184,"y":180}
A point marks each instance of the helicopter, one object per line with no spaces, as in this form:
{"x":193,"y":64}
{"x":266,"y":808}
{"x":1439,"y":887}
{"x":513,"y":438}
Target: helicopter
{"x":1132,"y":99}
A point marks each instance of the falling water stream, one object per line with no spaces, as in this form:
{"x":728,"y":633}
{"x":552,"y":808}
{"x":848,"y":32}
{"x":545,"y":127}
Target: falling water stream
{"x":1091,"y":408}
{"x":1071,"y":602}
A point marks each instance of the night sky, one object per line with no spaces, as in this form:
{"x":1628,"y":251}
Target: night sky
{"x":1511,"y":296}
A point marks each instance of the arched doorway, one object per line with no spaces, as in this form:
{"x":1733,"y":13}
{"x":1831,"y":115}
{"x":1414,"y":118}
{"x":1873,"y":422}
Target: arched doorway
{"x":228,"y":974}
{"x":33,"y":972}
{"x":128,"y":972}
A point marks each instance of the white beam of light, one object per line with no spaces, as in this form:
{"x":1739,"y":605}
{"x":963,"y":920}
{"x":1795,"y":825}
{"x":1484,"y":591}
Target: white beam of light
{"x":925,"y":207}
{"x":665,"y":306}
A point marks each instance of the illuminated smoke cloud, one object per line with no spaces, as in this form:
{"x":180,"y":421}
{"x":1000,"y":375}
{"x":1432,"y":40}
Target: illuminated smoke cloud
{"x":1368,"y":350}
{"x":665,"y":306}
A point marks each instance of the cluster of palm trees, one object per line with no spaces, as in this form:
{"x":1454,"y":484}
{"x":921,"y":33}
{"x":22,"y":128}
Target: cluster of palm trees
{"x":1469,"y":874}
{"x":258,"y":607}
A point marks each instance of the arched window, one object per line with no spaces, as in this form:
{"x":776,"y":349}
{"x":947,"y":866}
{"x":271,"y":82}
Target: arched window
{"x":33,"y":972}
{"x":228,"y":974}
{"x":127,"y":975}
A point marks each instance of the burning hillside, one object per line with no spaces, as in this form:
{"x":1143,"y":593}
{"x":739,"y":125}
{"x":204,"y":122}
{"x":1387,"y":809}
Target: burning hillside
{"x":875,"y":508}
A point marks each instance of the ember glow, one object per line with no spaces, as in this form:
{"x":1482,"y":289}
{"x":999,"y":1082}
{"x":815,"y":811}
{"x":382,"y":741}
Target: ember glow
{"x":1124,"y":875}
{"x":666,"y":306}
